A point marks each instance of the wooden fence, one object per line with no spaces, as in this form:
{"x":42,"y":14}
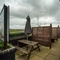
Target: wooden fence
{"x":42,"y":35}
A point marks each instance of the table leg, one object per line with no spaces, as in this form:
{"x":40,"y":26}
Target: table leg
{"x":30,"y":52}
{"x":18,"y":44}
{"x":38,"y":47}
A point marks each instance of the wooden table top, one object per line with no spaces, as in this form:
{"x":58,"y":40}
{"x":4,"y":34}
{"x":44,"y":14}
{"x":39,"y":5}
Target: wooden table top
{"x":28,"y":42}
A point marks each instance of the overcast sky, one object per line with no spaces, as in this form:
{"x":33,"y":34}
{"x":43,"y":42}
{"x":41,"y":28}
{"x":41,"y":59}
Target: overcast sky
{"x":41,"y":12}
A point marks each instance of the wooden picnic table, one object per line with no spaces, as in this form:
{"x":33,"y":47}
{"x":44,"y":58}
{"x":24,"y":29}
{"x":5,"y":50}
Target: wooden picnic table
{"x":30,"y":45}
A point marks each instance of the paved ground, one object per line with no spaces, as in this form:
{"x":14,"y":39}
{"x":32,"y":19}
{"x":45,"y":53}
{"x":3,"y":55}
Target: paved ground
{"x":44,"y":54}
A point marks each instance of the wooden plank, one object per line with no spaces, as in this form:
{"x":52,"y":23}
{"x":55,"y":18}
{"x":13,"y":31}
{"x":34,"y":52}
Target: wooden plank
{"x":23,"y":50}
{"x":31,"y":43}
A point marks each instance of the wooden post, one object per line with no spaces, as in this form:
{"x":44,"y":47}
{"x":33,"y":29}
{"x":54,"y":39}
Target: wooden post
{"x":5,"y":26}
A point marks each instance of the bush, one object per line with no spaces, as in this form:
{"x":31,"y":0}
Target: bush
{"x":17,"y":34}
{"x":2,"y":45}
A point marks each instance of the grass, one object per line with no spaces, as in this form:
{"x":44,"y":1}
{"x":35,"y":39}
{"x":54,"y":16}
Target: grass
{"x":15,"y":31}
{"x":2,"y":45}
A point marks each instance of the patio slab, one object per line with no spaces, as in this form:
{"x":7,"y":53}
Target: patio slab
{"x":51,"y":57}
{"x":44,"y":52}
{"x":35,"y":57}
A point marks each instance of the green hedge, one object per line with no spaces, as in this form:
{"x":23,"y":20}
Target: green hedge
{"x":2,"y":45}
{"x":17,"y":34}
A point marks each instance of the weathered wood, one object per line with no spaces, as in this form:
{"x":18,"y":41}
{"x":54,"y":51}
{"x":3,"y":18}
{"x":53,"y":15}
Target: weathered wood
{"x":55,"y":33}
{"x":42,"y":35}
{"x":28,"y":42}
{"x":22,"y":50}
{"x":29,"y":48}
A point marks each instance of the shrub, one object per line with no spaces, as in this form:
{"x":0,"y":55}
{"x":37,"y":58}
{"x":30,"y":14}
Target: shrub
{"x":2,"y":45}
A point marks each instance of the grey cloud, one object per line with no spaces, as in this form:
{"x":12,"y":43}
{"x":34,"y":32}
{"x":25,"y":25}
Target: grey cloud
{"x":39,"y":7}
{"x":20,"y":22}
{"x":34,"y":8}
{"x":1,"y":4}
{"x":20,"y":14}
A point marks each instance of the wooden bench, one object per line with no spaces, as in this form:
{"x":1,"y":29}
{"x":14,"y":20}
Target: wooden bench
{"x":22,"y":50}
